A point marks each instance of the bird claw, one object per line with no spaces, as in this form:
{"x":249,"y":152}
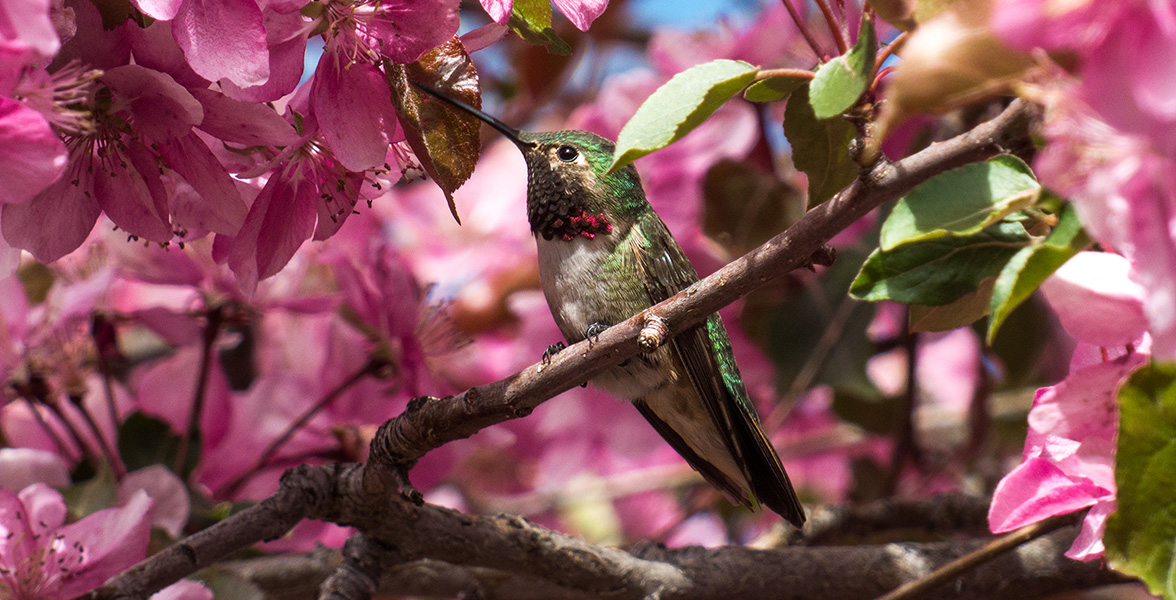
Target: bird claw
{"x":551,"y":351}
{"x":593,"y":333}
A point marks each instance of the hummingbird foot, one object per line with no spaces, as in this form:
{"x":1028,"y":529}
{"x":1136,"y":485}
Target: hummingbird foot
{"x":551,"y":351}
{"x":593,"y":333}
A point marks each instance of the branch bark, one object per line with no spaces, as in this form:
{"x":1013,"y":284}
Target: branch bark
{"x":434,"y":550}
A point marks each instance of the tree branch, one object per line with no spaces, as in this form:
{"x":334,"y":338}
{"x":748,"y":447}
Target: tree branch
{"x":500,"y":555}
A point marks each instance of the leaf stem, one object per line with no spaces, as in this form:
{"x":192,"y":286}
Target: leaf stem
{"x":770,"y":73}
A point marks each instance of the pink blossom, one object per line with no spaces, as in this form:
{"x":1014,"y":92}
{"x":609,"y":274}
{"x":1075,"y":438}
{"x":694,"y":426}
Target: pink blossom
{"x":1096,"y":300}
{"x":28,"y":23}
{"x":224,"y":40}
{"x":42,"y":557}
{"x":499,"y":10}
{"x":285,"y":39}
{"x":401,"y":30}
{"x":22,"y":467}
{"x":31,"y":156}
{"x":167,"y":490}
{"x":581,"y":12}
{"x":1068,"y":463}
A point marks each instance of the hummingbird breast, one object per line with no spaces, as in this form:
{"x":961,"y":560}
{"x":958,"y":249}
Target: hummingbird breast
{"x":591,"y":281}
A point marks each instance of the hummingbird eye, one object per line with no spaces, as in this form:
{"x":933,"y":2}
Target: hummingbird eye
{"x":567,"y":153}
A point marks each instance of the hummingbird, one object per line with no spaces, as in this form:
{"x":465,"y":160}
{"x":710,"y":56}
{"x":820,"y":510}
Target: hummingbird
{"x":604,"y":256}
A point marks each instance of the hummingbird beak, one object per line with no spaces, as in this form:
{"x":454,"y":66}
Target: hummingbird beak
{"x":511,"y":133}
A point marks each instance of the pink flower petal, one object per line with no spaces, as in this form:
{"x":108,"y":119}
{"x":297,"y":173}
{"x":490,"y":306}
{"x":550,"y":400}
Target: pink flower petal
{"x":499,"y":10}
{"x":581,"y":12}
{"x":54,"y":223}
{"x":219,"y":206}
{"x":162,"y":10}
{"x":93,"y":44}
{"x":287,"y":50}
{"x":161,"y":108}
{"x":113,"y":539}
{"x":1096,"y":299}
{"x":22,"y":467}
{"x":483,"y":36}
{"x":249,"y":123}
{"x":1037,"y":490}
{"x":224,"y":39}
{"x":130,"y":194}
{"x":1089,"y":543}
{"x":45,"y":508}
{"x":184,"y":589}
{"x":154,"y":47}
{"x":354,"y":111}
{"x":280,"y":220}
{"x":31,"y":157}
{"x":412,"y":27}
{"x":28,"y":22}
{"x":167,"y":491}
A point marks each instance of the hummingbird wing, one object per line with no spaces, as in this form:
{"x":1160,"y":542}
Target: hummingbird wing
{"x":705,"y":354}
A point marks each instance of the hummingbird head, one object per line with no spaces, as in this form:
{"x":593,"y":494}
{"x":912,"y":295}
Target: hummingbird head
{"x":568,"y":193}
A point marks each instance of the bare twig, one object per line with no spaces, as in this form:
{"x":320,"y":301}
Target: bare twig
{"x":263,"y":460}
{"x":214,"y":319}
{"x":923,"y":586}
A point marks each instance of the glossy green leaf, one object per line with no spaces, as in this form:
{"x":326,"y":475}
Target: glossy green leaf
{"x":531,"y":20}
{"x":1027,"y":269}
{"x":773,"y":89}
{"x":840,"y":82}
{"x":968,"y":309}
{"x":962,"y":201}
{"x":1141,"y":535}
{"x":938,"y":271}
{"x":678,"y":106}
{"x":820,"y":148}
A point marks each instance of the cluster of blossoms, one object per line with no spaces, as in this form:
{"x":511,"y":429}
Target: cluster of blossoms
{"x":1110,"y":128}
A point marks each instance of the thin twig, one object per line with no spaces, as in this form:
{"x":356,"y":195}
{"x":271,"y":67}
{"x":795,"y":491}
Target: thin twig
{"x":894,"y":46}
{"x":112,"y":458}
{"x":839,"y":36}
{"x":372,"y":366}
{"x":921,"y":587}
{"x":215,"y":318}
{"x":804,"y":31}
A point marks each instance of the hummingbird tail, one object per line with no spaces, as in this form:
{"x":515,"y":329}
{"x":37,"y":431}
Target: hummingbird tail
{"x":769,"y":482}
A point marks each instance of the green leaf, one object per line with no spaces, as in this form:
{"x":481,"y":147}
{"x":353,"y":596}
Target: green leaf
{"x":677,"y":107}
{"x":144,"y":441}
{"x":962,"y":201}
{"x":1027,"y":269}
{"x":939,"y":271}
{"x":820,"y":148}
{"x":968,"y":309}
{"x":93,"y":495}
{"x":840,"y":82}
{"x":531,"y":20}
{"x":773,"y":88}
{"x":1141,"y":535}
